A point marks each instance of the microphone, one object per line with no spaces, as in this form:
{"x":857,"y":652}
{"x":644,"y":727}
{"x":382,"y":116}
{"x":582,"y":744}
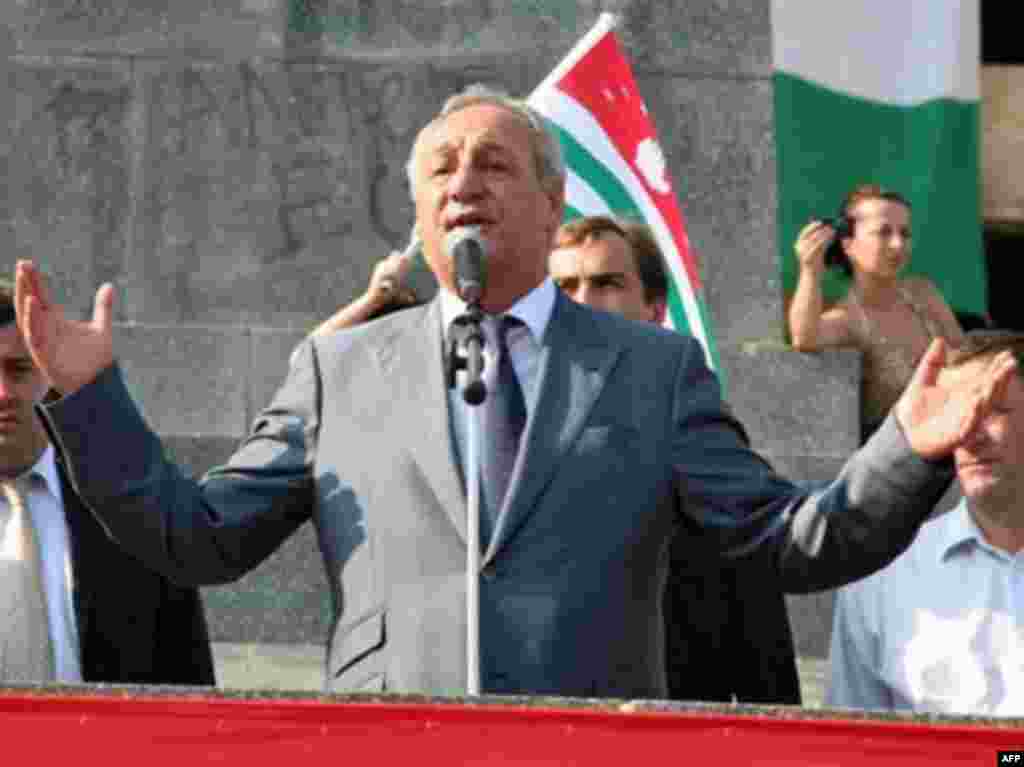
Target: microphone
{"x":468,"y":250}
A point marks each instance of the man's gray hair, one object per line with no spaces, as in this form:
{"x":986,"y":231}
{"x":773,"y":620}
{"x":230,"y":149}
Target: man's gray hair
{"x":547,"y":152}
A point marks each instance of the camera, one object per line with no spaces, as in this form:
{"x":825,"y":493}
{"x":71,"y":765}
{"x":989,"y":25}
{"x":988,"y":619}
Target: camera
{"x":834,"y":256}
{"x":841,"y":224}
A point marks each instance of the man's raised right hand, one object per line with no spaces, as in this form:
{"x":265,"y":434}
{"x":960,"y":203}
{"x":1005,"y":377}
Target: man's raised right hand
{"x":70,"y":353}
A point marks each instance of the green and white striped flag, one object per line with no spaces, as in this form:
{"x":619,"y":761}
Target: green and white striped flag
{"x":877,"y":91}
{"x":615,"y":163}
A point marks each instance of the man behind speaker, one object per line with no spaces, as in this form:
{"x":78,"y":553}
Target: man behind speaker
{"x":625,"y":434}
{"x":85,"y":610}
{"x":610,"y":264}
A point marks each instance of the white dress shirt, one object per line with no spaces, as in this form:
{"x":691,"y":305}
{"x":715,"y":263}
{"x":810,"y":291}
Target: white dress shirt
{"x":45,"y":503}
{"x":534,"y":309}
{"x":941,"y":629}
{"x":524,"y":346}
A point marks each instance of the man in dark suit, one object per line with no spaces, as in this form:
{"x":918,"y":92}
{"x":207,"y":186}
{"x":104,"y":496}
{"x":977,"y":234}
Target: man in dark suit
{"x":625,"y":434}
{"x":102,"y":616}
{"x":714,"y":607}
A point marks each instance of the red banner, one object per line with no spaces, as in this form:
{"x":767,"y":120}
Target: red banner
{"x":129,"y":727}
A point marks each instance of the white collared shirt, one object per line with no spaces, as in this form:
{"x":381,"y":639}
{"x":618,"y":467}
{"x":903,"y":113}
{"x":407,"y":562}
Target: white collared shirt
{"x":534,"y":309}
{"x":524,"y":346}
{"x":941,"y":629}
{"x":45,"y":502}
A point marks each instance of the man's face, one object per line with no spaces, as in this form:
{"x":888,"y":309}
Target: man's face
{"x":602,"y":273}
{"x":990,"y":465}
{"x":21,"y":386}
{"x":476,"y":167}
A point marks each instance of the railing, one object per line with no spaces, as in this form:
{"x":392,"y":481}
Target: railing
{"x":149,"y":727}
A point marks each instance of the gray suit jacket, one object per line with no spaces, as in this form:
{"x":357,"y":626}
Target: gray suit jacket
{"x":628,"y":434}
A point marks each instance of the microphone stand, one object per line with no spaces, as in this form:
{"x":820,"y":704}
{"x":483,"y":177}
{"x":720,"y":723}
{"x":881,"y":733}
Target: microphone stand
{"x":467,"y":333}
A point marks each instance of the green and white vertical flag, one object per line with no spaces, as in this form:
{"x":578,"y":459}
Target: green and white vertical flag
{"x":885,"y":92}
{"x":616,"y":165}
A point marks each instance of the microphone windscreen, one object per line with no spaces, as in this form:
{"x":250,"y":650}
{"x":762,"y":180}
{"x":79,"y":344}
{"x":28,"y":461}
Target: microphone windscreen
{"x":465,"y":246}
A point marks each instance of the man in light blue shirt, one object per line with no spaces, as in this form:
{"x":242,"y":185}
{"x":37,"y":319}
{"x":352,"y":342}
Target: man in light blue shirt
{"x":941,"y":629}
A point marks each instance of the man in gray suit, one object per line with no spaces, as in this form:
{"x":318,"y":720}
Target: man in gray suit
{"x":625,"y":434}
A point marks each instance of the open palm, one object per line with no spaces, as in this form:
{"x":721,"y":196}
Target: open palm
{"x":936,"y":418}
{"x":70,"y":353}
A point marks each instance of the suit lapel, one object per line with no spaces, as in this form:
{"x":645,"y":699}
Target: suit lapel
{"x":574,"y":365}
{"x":411,"y":362}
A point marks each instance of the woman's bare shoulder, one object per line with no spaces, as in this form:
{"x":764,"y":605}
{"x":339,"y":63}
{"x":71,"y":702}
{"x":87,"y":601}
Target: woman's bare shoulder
{"x":839,"y":319}
{"x":839,"y":309}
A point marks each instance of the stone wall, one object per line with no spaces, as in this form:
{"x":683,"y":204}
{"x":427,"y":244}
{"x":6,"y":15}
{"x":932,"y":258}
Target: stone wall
{"x":236,"y":167}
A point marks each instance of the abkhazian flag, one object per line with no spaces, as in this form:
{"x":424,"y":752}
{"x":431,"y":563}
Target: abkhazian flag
{"x":616,"y":166}
{"x":884,"y":92}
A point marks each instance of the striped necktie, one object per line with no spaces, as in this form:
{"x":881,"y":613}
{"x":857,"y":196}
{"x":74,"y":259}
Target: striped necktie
{"x":503,"y":418}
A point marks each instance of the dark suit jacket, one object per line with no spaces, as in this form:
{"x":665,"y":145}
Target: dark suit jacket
{"x":628,"y":435}
{"x":717,"y":607}
{"x":134,"y":625}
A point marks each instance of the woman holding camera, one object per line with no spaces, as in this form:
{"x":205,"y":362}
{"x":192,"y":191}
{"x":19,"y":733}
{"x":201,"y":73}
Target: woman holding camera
{"x":890,"y":318}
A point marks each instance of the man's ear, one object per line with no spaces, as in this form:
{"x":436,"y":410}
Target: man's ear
{"x":659,"y":308}
{"x":42,"y":393}
{"x":557,"y":199}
